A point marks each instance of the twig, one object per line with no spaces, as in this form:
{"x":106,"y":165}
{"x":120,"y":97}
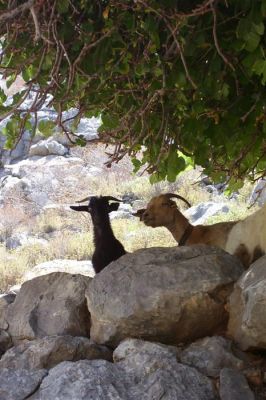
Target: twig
{"x":214,"y":32}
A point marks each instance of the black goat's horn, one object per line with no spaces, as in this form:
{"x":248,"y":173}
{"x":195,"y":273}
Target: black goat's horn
{"x":170,"y":195}
{"x":110,"y":198}
{"x":86,"y":199}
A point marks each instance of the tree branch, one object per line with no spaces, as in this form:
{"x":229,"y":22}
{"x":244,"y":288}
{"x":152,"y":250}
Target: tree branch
{"x":11,"y":14}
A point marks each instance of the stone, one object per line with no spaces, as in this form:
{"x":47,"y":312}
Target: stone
{"x":234,"y":386}
{"x":202,"y":211}
{"x":162,"y":294}
{"x":52,"y":304}
{"x":142,"y":356}
{"x":139,"y":375}
{"x":70,"y":266}
{"x":48,"y":147}
{"x":247,"y":322}
{"x":210,"y":355}
{"x":49,"y":351}
{"x":18,"y":384}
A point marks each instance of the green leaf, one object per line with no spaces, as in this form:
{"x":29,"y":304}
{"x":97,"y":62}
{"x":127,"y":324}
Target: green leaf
{"x":259,"y":28}
{"x":259,"y":68}
{"x":62,"y":6}
{"x":109,"y":121}
{"x":252,"y":41}
{"x":46,"y":127}
{"x":244,"y":28}
{"x":136,"y":163}
{"x":11,"y":79}
{"x":81,"y":141}
{"x":3,"y":96}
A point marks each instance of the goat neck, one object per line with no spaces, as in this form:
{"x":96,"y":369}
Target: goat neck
{"x":179,"y":225}
{"x":101,"y":225}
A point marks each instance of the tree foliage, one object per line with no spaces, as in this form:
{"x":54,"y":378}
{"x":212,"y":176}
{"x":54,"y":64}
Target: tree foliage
{"x":183,"y":81}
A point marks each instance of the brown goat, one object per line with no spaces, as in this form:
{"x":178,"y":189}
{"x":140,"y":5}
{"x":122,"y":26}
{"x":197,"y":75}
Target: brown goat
{"x":246,"y":239}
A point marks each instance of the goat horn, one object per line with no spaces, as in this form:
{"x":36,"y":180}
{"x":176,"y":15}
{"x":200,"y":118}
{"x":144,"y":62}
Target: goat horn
{"x":112,"y":198}
{"x":86,"y":199}
{"x":178,"y":197}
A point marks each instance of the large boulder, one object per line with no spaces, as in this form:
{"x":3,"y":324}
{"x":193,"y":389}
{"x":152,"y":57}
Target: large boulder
{"x":162,"y":294}
{"x":52,"y":304}
{"x":50,"y":351}
{"x":247,"y":323}
{"x":141,"y":371}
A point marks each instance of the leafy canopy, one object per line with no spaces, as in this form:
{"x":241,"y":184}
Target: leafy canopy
{"x":183,"y":81}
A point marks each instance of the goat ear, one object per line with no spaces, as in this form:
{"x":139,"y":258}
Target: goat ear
{"x":113,"y":207}
{"x":139,"y":213}
{"x":80,"y":208}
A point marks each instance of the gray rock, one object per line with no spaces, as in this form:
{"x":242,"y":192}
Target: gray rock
{"x":48,"y":147}
{"x":51,"y":350}
{"x":69,"y":266}
{"x":210,"y":355}
{"x":52,"y":304}
{"x":144,"y":357}
{"x":202,"y":211}
{"x":101,"y":380}
{"x":233,"y":386}
{"x":162,"y":294}
{"x":19,"y":384}
{"x":247,"y":322}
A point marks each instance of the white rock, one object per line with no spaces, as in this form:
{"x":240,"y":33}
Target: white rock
{"x":202,"y":211}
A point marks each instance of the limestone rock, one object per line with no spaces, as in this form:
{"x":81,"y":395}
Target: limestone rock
{"x":50,"y":351}
{"x":233,"y":386}
{"x":162,"y":294}
{"x":19,"y":384}
{"x":52,"y":304}
{"x":247,"y":323}
{"x":210,"y":355}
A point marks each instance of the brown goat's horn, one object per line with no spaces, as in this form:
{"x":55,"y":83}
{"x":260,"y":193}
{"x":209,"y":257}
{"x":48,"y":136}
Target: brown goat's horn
{"x":170,"y":195}
{"x":112,"y":198}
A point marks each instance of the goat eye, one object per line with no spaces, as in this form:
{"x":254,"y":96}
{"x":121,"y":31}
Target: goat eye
{"x":165,"y":204}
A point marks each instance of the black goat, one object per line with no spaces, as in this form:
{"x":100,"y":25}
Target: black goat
{"x":107,"y":247}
